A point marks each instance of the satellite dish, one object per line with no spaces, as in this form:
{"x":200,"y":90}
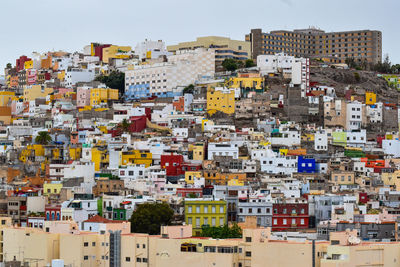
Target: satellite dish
{"x":353,"y":240}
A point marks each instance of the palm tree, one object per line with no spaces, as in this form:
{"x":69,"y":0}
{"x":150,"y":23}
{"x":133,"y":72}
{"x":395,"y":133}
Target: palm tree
{"x":43,"y":138}
{"x":125,"y":125}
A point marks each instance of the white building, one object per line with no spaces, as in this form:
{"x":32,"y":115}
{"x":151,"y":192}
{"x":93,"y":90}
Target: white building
{"x":297,"y":69}
{"x":222,"y":149}
{"x":391,"y":147}
{"x":75,"y":75}
{"x":168,"y":79}
{"x":354,"y":115}
{"x":279,"y":165}
{"x":151,"y":49}
{"x":374,"y":113}
{"x":356,"y":138}
{"x":321,"y":141}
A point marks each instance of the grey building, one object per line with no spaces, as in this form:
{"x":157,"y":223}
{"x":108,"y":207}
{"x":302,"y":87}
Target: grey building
{"x":259,"y":208}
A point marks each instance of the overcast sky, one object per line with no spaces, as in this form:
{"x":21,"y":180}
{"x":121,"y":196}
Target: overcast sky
{"x":43,"y":25}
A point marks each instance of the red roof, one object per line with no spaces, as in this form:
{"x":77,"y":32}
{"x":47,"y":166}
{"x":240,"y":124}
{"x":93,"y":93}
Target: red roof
{"x":99,"y":219}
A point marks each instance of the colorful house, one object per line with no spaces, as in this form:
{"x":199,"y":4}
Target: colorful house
{"x":221,"y":99}
{"x":199,"y":212}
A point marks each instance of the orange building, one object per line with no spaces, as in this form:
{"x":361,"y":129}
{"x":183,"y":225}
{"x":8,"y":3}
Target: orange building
{"x":213,"y":177}
{"x":179,"y":105}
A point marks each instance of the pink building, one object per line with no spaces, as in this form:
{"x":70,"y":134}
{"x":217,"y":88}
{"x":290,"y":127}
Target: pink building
{"x":31,"y":76}
{"x":82,"y":97}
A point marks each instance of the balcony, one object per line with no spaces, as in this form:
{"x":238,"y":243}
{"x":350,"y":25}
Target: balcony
{"x":109,"y":208}
{"x":22,"y":207}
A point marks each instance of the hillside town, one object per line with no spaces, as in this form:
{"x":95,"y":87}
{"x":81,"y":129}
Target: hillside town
{"x":280,"y":149}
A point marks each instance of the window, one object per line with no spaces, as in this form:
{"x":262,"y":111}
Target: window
{"x":205,"y":209}
{"x":284,"y":221}
{"x":138,"y":259}
{"x":128,"y":259}
{"x":189,"y":220}
{"x":221,"y":209}
{"x":93,"y":244}
{"x":197,"y":209}
{"x":248,"y":253}
{"x":86,"y":244}
{"x":213,"y":209}
{"x":205,"y":221}
{"x":213,"y":221}
{"x":302,"y":221}
{"x":221,"y":221}
{"x":197,"y":222}
{"x":189,"y":209}
{"x":85,"y":258}
{"x":248,"y":239}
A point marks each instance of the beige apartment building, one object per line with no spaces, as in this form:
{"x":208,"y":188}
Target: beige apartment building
{"x":38,"y":248}
{"x":333,"y":47}
{"x":224,"y":48}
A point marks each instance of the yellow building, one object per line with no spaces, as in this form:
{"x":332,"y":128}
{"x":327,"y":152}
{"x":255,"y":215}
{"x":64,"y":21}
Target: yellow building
{"x":256,"y":82}
{"x":52,"y":188}
{"x":102,"y":95}
{"x":36,"y":91}
{"x":190,"y":176}
{"x":342,"y":177}
{"x":197,"y":150}
{"x":28,"y":64}
{"x":100,"y":158}
{"x":370,"y":98}
{"x":75,"y":153}
{"x":221,"y":99}
{"x":6,"y":97}
{"x":61,"y":75}
{"x":391,"y":179}
{"x":31,"y":245}
{"x":4,"y":223}
{"x":30,"y":152}
{"x":136,"y":157}
{"x":199,"y":212}
{"x":115,"y":51}
{"x":221,"y":45}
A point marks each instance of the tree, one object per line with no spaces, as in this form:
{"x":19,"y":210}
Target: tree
{"x":230,"y":64}
{"x":9,"y":66}
{"x":43,"y":138}
{"x":249,"y":63}
{"x":149,"y":217}
{"x":222,"y":232}
{"x":114,"y":80}
{"x":125,"y":125}
{"x":188,"y":89}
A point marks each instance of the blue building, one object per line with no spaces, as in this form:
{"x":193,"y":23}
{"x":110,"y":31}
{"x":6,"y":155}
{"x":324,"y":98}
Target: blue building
{"x":137,"y":91}
{"x":306,"y":165}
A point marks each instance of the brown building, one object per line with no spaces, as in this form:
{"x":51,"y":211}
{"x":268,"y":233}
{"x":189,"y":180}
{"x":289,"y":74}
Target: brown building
{"x":334,"y":47}
{"x":105,"y":185}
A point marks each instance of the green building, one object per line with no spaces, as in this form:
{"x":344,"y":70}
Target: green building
{"x":199,"y":212}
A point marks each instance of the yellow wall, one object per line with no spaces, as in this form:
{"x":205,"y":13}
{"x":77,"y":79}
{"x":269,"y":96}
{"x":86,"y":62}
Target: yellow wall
{"x":98,"y":157}
{"x":190,"y":177}
{"x":36,"y":91}
{"x":244,"y":82}
{"x":220,"y":101}
{"x":136,"y":157}
{"x":102,"y":95}
{"x":50,"y":188}
{"x":114,"y":51}
{"x":202,"y":213}
{"x":370,"y":98}
{"x":5,"y":97}
{"x":28,"y":64}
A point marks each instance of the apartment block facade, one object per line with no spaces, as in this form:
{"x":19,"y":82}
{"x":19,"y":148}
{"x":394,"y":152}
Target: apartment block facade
{"x":333,"y":47}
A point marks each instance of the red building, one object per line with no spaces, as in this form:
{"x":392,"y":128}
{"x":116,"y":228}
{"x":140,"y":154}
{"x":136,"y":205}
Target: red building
{"x":138,"y":124}
{"x":179,"y":104}
{"x":20,"y":62}
{"x":172,"y":164}
{"x":98,"y":49}
{"x":53,"y":213}
{"x":290,"y":216}
{"x":186,"y":192}
{"x":363,"y":197}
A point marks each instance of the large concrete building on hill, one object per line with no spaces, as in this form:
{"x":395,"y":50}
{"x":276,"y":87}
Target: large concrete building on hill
{"x":334,"y":47}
